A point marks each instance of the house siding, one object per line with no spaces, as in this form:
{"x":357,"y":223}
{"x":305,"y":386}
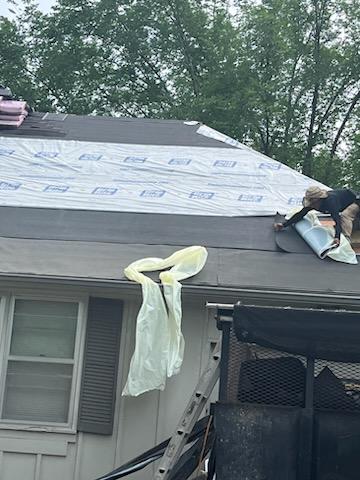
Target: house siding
{"x":139,"y":424}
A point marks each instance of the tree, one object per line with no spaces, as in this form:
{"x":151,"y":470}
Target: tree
{"x":305,"y":77}
{"x":14,"y":69}
{"x":280,"y":75}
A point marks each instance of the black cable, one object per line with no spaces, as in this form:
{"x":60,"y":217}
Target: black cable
{"x":185,"y":466}
{"x":132,"y":469}
{"x":153,"y":454}
{"x":189,"y":461}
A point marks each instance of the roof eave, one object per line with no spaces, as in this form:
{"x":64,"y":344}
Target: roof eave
{"x":256,"y":294}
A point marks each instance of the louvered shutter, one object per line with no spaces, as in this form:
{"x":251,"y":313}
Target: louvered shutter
{"x":98,"y":386}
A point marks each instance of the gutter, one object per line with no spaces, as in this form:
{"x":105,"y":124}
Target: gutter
{"x":284,"y":296}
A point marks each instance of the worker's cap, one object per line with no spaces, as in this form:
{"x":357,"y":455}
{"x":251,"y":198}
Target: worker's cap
{"x":314,"y":193}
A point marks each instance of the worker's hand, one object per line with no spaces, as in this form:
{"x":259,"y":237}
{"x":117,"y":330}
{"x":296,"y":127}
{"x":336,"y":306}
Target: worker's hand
{"x":278,"y":227}
{"x":336,"y":242}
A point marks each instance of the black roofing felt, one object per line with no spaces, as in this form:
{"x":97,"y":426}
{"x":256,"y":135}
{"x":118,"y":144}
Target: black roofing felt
{"x":35,"y":127}
{"x":112,"y":130}
{"x":252,"y":233}
{"x":289,"y":241}
{"x":98,"y":246}
{"x":225,"y":268}
{"x":296,"y":272}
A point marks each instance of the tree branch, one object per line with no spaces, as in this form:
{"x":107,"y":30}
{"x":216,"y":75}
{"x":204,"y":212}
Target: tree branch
{"x":307,"y":165}
{"x":190,"y":66}
{"x":337,"y":138}
{"x":328,"y":112}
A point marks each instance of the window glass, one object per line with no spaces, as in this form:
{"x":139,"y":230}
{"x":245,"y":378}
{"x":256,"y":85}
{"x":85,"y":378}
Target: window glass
{"x":37,"y":391}
{"x":44,"y":329}
{"x":39,"y":377}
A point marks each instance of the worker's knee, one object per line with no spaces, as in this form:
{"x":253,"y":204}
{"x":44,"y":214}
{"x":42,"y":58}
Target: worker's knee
{"x":350,"y":219}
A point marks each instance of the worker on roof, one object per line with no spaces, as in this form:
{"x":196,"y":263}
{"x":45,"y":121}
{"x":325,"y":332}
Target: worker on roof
{"x":332,"y":202}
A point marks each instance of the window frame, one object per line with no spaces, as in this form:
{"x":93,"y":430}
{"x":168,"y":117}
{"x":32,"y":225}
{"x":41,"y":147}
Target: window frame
{"x":7,"y":308}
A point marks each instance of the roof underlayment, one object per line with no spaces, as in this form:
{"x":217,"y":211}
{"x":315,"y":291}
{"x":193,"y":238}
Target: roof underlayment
{"x":124,"y":177}
{"x":105,"y":180}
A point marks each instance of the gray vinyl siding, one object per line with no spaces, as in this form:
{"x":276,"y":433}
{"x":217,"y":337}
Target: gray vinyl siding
{"x":139,"y":423}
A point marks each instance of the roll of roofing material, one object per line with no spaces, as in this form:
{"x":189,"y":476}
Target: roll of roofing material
{"x":320,"y":239}
{"x":316,"y":236}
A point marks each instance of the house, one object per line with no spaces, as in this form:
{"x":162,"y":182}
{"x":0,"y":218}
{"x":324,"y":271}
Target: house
{"x":68,"y":314}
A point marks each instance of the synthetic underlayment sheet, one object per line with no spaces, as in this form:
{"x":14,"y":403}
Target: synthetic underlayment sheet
{"x":145,"y":178}
{"x":308,"y":235}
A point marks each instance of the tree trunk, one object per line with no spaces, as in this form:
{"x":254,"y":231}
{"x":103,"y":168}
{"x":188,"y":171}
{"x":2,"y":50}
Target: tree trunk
{"x":307,"y":165}
{"x":190,"y":66}
{"x":289,"y":107}
{"x":336,"y":141}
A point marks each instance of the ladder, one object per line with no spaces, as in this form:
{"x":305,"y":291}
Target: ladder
{"x":191,"y":414}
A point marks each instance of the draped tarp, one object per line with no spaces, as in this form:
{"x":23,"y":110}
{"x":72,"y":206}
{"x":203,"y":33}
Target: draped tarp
{"x":159,"y":347}
{"x":324,"y":334}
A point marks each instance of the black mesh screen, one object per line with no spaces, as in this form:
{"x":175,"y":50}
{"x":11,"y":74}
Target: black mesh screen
{"x":337,"y":386}
{"x":264,"y":376}
{"x":272,"y":381}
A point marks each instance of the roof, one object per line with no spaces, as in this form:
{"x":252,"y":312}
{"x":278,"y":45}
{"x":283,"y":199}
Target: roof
{"x":140,"y":165}
{"x":96,"y":246}
{"x":135,"y":228}
{"x":143,"y":131}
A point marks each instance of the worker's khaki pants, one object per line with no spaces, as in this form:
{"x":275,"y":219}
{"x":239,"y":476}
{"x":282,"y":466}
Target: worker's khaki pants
{"x":348,"y":217}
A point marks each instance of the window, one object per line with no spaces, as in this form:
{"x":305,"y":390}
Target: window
{"x":42,"y":355}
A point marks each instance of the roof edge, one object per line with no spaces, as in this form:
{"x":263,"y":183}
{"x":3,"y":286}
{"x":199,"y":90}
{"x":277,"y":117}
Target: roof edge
{"x":284,"y":296}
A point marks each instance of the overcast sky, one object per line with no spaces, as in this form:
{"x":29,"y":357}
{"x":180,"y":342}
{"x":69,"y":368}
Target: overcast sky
{"x":45,"y":6}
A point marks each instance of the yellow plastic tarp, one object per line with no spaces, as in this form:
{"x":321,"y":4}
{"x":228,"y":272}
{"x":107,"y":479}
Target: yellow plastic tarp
{"x":159,"y":343}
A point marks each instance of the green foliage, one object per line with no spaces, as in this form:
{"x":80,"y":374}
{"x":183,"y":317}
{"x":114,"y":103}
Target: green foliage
{"x":280,"y":75}
{"x":351,"y":165}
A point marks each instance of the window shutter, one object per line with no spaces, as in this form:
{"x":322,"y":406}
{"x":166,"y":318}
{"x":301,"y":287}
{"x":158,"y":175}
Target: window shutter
{"x":98,"y":385}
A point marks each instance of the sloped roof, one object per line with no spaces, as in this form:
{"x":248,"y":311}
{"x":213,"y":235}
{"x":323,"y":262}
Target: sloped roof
{"x":143,"y":131}
{"x":95,"y":246}
{"x":226,"y":268}
{"x":134,"y":228}
{"x":140,"y":165}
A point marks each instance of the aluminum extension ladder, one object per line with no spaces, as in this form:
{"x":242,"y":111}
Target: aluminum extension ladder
{"x":191,"y":414}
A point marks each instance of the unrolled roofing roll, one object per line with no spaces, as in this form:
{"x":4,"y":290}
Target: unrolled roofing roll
{"x":320,"y":239}
{"x":316,"y":236}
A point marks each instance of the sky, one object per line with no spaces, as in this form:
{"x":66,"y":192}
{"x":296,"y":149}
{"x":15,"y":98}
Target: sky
{"x":45,"y":6}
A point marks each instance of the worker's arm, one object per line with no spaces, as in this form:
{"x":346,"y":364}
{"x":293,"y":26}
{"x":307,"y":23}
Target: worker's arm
{"x":332,"y":206}
{"x":297,"y":217}
{"x":338,"y":229}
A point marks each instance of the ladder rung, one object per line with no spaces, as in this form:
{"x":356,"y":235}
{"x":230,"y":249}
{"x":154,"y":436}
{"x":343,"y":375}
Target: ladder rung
{"x":190,"y":416}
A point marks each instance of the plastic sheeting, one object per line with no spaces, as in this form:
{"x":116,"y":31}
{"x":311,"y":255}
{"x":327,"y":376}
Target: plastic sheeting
{"x":159,"y":346}
{"x":221,"y":137}
{"x":320,"y":239}
{"x":146,"y":178}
